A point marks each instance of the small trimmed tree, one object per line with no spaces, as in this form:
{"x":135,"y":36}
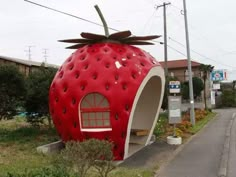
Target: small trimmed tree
{"x":12,"y":90}
{"x":36,"y":102}
{"x":82,"y":156}
{"x":197,"y":88}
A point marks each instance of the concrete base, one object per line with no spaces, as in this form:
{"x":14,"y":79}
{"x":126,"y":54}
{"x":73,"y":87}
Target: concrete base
{"x":174,"y":140}
{"x":51,"y":148}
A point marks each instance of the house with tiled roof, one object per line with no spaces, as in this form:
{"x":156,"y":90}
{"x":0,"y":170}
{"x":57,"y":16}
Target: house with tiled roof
{"x":24,"y":66}
{"x":179,"y":69}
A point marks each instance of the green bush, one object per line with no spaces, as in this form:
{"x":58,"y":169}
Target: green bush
{"x":228,"y":98}
{"x":197,"y":88}
{"x":36,"y":103}
{"x":161,"y":125}
{"x":82,"y":156}
{"x":12,"y":90}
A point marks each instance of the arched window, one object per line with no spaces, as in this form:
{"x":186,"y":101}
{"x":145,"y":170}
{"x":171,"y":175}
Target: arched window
{"x":95,"y":112}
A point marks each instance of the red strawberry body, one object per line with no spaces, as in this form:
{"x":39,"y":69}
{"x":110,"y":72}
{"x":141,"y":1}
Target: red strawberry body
{"x":112,"y":70}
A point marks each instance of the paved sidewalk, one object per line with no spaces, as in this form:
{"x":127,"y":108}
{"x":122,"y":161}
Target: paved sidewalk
{"x":151,"y":156}
{"x":202,"y":156}
{"x":231,"y":170}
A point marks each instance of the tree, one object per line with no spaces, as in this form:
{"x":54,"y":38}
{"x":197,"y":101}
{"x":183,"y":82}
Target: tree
{"x":205,"y":69}
{"x":36,"y":103}
{"x":197,"y":88}
{"x":12,"y":90}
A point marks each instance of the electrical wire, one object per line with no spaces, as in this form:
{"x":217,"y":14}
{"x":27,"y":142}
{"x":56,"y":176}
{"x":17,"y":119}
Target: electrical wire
{"x":174,"y":49}
{"x":177,"y":50}
{"x":74,"y":16}
{"x":200,"y":53}
{"x":148,"y":21}
{"x":89,"y":21}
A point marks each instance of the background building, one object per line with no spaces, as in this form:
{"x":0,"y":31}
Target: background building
{"x":179,"y":69}
{"x":24,"y":66}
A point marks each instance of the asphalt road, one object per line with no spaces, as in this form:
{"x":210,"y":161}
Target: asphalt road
{"x":202,"y":156}
{"x":232,"y":151}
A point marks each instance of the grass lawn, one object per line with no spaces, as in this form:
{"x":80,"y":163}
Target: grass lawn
{"x":201,"y":123}
{"x":18,"y":142}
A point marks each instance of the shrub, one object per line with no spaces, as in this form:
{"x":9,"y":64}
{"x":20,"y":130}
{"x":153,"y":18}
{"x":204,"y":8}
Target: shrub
{"x":161,"y":125}
{"x":197,"y":88}
{"x":185,"y":125}
{"x":178,"y":132}
{"x":36,"y":103}
{"x":228,"y":98}
{"x":82,"y":156}
{"x":35,"y":119}
{"x":12,"y":90}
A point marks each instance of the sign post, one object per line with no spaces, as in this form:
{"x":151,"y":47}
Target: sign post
{"x":174,"y":104}
{"x":174,"y":110}
{"x":174,"y":87}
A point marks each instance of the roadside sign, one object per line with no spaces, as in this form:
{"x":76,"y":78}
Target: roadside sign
{"x":213,"y":98}
{"x":174,"y":86}
{"x":174,"y":105}
{"x":218,"y":75}
{"x":216,"y":86}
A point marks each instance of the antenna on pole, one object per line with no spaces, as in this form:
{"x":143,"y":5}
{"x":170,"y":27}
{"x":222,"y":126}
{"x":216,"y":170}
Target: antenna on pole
{"x":29,"y":52}
{"x":45,"y":56}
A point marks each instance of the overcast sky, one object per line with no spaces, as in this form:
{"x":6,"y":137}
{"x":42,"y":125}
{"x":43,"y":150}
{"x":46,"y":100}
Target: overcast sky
{"x":212,"y":27}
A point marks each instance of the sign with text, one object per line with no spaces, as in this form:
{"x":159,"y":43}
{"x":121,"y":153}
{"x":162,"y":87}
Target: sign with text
{"x":174,"y":105}
{"x":174,"y":86}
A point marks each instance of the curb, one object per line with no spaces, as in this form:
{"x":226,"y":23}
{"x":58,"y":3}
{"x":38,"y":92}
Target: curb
{"x":50,"y":148}
{"x":225,"y":154}
{"x":181,"y":147}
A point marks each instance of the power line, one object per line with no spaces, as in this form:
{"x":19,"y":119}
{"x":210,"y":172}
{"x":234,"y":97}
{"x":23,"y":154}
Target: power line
{"x":176,"y":7}
{"x":180,"y":10}
{"x":150,"y":21}
{"x":174,"y":49}
{"x":55,"y":10}
{"x":200,"y":53}
{"x":177,"y":50}
{"x":196,"y":33}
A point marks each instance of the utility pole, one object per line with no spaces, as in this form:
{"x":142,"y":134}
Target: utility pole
{"x":165,"y":36}
{"x":45,"y":51}
{"x":192,"y":113}
{"x":29,"y":52}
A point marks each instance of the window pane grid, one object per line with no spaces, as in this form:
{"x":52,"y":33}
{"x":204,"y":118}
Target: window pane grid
{"x":96,"y":120}
{"x":95,"y":111}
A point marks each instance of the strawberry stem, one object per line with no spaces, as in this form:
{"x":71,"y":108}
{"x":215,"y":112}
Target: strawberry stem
{"x":103,"y":20}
